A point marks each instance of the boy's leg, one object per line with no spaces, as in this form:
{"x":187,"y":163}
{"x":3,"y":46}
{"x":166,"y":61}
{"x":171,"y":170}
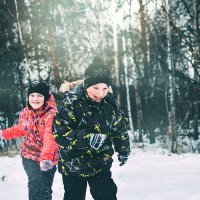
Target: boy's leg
{"x":102,"y":186}
{"x":75,"y":187}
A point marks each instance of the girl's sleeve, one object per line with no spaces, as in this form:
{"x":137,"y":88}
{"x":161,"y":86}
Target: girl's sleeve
{"x":50,"y":148}
{"x":15,"y":131}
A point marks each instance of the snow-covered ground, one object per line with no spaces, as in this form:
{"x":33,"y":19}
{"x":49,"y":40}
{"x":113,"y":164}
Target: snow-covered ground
{"x":146,"y":176}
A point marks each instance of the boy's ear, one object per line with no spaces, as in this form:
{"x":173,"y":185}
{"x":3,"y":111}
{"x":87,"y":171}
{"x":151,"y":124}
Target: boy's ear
{"x":110,"y":90}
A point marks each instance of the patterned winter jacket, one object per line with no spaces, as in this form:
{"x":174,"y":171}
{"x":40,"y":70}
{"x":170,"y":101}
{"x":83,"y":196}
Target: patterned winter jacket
{"x":39,"y":143}
{"x":86,"y":132}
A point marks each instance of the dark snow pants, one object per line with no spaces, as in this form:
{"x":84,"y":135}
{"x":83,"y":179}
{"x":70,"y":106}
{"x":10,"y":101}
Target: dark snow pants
{"x":39,"y":182}
{"x":102,"y":187}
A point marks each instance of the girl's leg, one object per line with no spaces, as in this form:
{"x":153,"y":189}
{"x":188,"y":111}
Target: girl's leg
{"x":39,"y":182}
{"x":47,"y":177}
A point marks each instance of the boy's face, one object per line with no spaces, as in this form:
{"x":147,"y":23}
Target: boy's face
{"x":97,"y":92}
{"x":36,"y":100}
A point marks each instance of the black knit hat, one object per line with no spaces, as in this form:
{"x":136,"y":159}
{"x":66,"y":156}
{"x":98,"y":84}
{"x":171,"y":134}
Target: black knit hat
{"x":39,"y":87}
{"x":97,"y":72}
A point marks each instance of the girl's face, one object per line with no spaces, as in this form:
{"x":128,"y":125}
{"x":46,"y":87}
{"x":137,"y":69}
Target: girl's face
{"x":36,"y":100}
{"x":97,"y":92}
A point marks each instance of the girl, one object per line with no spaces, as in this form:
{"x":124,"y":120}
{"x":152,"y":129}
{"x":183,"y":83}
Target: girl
{"x":39,"y":151}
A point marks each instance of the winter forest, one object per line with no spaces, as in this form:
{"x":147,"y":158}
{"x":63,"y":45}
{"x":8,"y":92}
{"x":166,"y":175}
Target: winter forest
{"x":152,"y":47}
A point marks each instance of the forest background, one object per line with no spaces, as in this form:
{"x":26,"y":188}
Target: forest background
{"x":152,"y":47}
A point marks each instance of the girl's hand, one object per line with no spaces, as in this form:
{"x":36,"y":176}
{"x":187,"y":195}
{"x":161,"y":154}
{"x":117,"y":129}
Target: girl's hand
{"x":46,"y":165}
{"x":67,"y":86}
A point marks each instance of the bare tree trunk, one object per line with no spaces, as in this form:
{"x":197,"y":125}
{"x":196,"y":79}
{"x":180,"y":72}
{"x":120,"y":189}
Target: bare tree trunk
{"x":144,"y":48}
{"x":127,"y":84}
{"x":19,"y":71}
{"x":139,"y":111}
{"x":195,"y":46}
{"x":53,"y":58}
{"x":101,"y":27}
{"x":143,"y":37}
{"x":116,"y":52}
{"x":171,"y":92}
{"x":136,"y":73}
{"x":196,"y":124}
{"x":195,"y":63}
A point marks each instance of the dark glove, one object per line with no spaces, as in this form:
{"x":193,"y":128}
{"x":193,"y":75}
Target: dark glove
{"x":122,"y":159}
{"x":46,"y":165}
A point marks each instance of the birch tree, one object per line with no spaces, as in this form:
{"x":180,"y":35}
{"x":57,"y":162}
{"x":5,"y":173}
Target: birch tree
{"x":116,"y":50}
{"x":172,"y":133}
{"x":196,"y":58}
{"x":125,"y":62}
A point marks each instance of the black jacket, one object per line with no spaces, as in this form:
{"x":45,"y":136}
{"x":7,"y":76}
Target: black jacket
{"x":86,"y":132}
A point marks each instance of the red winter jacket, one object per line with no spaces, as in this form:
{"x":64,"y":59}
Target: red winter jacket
{"x":36,"y":129}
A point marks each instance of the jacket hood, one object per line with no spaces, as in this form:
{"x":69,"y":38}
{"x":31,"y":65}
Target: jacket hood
{"x":51,"y":103}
